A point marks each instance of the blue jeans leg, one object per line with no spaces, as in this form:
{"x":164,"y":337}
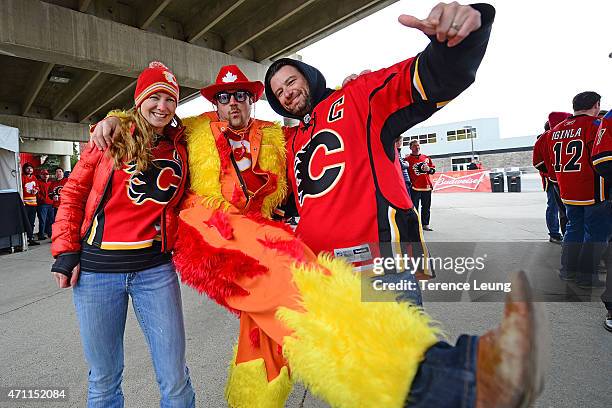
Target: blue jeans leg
{"x":597,"y":229}
{"x":572,"y":240}
{"x":101,"y":303}
{"x":45,"y":220}
{"x":552,"y":213}
{"x":156,"y":298}
{"x":447,"y":376}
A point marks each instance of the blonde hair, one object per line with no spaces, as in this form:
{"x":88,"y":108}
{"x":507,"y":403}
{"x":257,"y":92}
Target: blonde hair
{"x":135,"y":141}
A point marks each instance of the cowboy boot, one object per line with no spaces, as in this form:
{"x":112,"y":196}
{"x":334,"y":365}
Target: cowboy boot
{"x":512,"y":358}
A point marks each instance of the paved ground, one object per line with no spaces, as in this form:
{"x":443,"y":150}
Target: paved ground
{"x":40,"y":342}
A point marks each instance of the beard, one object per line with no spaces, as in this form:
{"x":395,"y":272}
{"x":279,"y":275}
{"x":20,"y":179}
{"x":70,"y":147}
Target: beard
{"x":304,"y":107}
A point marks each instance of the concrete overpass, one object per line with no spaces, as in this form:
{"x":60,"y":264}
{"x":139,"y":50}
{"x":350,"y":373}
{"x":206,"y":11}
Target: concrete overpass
{"x":65,"y":63}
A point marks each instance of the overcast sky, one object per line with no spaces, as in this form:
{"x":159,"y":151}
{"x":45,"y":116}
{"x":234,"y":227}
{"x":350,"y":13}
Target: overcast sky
{"x":541,"y":53}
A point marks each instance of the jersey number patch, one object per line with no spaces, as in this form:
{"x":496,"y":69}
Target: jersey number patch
{"x":573,"y":148}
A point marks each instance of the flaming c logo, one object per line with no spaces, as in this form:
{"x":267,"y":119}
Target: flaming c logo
{"x":158,"y":183}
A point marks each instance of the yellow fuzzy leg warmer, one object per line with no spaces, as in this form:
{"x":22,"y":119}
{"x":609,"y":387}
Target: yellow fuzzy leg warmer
{"x":348,"y":352}
{"x":248,"y":387}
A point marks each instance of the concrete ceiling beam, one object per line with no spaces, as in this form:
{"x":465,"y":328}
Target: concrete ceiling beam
{"x":36,"y":85}
{"x":243,"y":35}
{"x":309,"y":28}
{"x":207,"y":18}
{"x":47,"y":129}
{"x":150,"y":12}
{"x":60,"y":107}
{"x":67,"y":37}
{"x":84,"y":5}
{"x":105,"y":99}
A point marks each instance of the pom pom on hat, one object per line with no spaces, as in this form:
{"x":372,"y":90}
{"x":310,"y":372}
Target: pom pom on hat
{"x":156,"y":78}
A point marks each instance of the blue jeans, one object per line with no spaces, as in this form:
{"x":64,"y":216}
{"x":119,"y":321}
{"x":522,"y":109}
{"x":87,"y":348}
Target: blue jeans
{"x":101,"y":301}
{"x":586,"y":237}
{"x":552,"y":213}
{"x":447,"y":376}
{"x":46,"y":217}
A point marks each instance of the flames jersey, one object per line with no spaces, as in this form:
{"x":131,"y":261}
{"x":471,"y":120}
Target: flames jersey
{"x":129,"y":218}
{"x":55,"y":192}
{"x":541,"y":158}
{"x":44,"y":192}
{"x":418,"y":177}
{"x":602,"y":148}
{"x":346,"y":176}
{"x":569,"y":149}
{"x":30,"y":190}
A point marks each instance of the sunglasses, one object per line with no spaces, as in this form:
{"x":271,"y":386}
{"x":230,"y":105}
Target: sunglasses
{"x":224,"y":97}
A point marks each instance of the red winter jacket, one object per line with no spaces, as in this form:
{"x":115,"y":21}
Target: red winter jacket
{"x":86,"y":186}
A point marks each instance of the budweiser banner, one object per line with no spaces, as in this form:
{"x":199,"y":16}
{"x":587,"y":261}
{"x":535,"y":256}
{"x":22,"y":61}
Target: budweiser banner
{"x":462,"y":181}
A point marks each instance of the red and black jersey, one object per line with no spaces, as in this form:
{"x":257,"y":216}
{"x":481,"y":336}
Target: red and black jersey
{"x":602,"y":148}
{"x":541,"y":157}
{"x":30,"y":190}
{"x":55,"y":192}
{"x":44,"y":191}
{"x":569,"y":147}
{"x":419,"y":177}
{"x":344,"y":167}
{"x":130,"y":216}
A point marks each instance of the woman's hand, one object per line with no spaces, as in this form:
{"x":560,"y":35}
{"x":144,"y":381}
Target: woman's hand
{"x":62,"y":280}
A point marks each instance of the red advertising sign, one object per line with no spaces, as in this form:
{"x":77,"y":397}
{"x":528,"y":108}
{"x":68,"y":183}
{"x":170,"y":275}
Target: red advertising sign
{"x":462,"y":182}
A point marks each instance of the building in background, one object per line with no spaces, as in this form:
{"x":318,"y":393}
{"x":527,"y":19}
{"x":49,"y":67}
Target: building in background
{"x":452,"y":146}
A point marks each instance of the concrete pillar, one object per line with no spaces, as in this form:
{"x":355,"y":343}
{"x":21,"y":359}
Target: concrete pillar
{"x":65,"y":163}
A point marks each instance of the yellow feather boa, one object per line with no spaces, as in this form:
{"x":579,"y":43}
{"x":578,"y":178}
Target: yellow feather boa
{"x":349,"y":352}
{"x":205,"y":164}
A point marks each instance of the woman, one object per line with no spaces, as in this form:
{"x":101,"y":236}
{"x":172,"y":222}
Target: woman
{"x":113,"y":237}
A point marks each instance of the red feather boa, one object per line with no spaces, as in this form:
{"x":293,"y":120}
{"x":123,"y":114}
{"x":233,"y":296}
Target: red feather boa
{"x":212,"y":270}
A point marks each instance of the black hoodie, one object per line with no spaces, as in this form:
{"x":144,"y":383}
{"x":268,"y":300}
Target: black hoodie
{"x":316,"y":83}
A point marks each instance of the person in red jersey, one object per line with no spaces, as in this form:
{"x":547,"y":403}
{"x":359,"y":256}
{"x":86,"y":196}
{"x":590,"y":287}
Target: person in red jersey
{"x":113,"y":238}
{"x":349,"y":191}
{"x":420,"y":167}
{"x":56,"y":189}
{"x":30,"y":188}
{"x":583,"y":191}
{"x":555,"y":209}
{"x":602,"y":162}
{"x":45,"y":206}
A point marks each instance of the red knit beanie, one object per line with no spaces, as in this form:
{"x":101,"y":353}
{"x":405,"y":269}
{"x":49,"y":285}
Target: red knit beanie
{"x":156,"y":78}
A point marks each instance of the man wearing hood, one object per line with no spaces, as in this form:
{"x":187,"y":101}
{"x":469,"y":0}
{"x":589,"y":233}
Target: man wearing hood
{"x":346,"y":137}
{"x":350,"y":193}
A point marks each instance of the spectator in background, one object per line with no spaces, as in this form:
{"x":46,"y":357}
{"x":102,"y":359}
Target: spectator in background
{"x":45,"y":206}
{"x":542,"y":162}
{"x":30,"y":190}
{"x":404,"y":166}
{"x":56,"y":189}
{"x":420,"y":167}
{"x":583,"y":192}
{"x":602,"y":162}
